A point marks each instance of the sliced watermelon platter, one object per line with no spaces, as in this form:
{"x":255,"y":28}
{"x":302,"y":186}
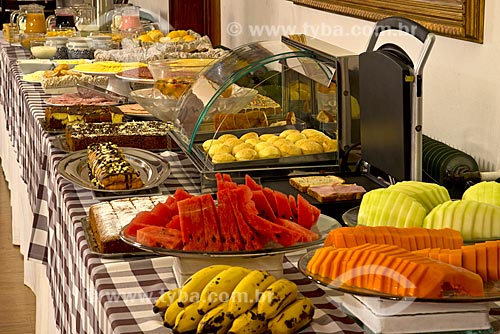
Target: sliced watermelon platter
{"x":248,"y":218}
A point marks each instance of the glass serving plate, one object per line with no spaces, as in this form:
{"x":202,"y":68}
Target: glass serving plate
{"x":324,"y":225}
{"x":491,"y":289}
{"x":151,"y":167}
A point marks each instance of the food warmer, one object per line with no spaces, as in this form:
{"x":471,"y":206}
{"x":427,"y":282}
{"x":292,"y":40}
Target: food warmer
{"x":303,"y":81}
{"x":326,"y":88}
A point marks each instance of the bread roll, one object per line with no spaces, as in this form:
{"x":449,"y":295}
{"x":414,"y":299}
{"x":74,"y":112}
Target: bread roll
{"x":246,"y":154}
{"x":249,"y":135}
{"x":240,"y":147}
{"x":268,"y":137}
{"x":310,"y":147}
{"x":262,"y":145}
{"x":253,"y":141}
{"x":288,"y":132}
{"x":290,"y":150}
{"x":219,"y":148}
{"x":281,"y":141}
{"x":227,"y":136}
{"x":319,"y":138}
{"x":222,"y":157}
{"x":208,"y":143}
{"x":295,"y":137}
{"x":311,"y":132}
{"x":330,"y":145}
{"x":232,"y":142}
{"x":269,"y":152}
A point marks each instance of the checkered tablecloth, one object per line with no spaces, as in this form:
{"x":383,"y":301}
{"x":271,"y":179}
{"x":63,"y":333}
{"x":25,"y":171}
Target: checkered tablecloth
{"x":92,"y":294}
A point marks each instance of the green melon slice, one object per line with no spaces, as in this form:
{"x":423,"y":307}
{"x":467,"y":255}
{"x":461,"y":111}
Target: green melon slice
{"x":486,"y":192}
{"x":428,"y":194}
{"x":474,"y":220}
{"x":387,"y":207}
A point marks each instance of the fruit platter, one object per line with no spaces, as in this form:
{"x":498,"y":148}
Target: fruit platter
{"x":411,"y":242}
{"x":235,"y":299}
{"x":257,"y":222}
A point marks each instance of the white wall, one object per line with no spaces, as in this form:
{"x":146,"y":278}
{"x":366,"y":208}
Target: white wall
{"x":461,"y":86}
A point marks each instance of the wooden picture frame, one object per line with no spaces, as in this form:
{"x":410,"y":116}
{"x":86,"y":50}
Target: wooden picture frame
{"x":462,"y":19}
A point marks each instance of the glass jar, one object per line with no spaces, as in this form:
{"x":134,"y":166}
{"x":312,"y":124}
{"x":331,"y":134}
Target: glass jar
{"x":60,"y":43}
{"x":33,"y":18}
{"x":80,"y":48}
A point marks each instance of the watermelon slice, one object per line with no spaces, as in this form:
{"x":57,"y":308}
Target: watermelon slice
{"x":269,"y":193}
{"x":279,"y":234}
{"x":262,"y":205}
{"x":250,"y":183}
{"x":293,"y":207}
{"x":307,"y":235}
{"x":180,"y":194}
{"x":192,"y":226}
{"x":148,"y":218}
{"x":160,"y":237}
{"x":133,"y":227}
{"x":283,"y":205}
{"x":174,"y":223}
{"x":307,"y":214}
{"x":164,"y":212}
{"x":248,"y":237}
{"x":230,"y":236}
{"x":211,"y":228}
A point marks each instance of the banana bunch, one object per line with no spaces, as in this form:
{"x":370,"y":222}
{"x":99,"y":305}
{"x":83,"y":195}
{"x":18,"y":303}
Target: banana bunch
{"x":232,"y":299}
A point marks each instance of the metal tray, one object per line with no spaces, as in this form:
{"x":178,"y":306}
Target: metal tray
{"x":94,"y":249}
{"x":152,"y":168}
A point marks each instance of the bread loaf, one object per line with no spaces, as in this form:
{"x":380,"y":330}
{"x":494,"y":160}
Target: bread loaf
{"x":303,"y":183}
{"x":337,"y":192}
{"x":251,"y":119}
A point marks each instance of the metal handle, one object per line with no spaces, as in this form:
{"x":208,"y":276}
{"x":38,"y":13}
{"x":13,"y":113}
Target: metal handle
{"x":397,"y":23}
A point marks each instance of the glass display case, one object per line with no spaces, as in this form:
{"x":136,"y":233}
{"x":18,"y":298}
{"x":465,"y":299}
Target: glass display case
{"x":270,"y":107}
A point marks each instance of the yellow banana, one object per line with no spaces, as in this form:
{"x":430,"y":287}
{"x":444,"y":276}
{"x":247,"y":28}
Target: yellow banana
{"x":165,"y":300}
{"x":187,"y":320}
{"x":248,"y":323}
{"x":171,"y":314}
{"x":220,"y":287}
{"x":246,"y":294}
{"x":276,"y":297}
{"x":215,"y":321}
{"x":192,"y":287}
{"x":292,"y":318}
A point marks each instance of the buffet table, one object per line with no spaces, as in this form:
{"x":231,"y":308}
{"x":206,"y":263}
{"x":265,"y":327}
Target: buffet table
{"x":78,"y":291}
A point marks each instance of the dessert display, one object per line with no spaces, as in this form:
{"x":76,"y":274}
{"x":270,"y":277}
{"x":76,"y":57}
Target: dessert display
{"x":247,"y":218}
{"x":108,"y":218}
{"x":235,"y":299}
{"x":147,"y":135}
{"x":57,"y":117}
{"x":288,"y":143}
{"x":109,"y":169}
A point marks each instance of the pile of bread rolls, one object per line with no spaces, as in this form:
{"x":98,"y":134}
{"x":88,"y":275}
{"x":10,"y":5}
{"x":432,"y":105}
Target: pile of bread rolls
{"x":252,"y":146}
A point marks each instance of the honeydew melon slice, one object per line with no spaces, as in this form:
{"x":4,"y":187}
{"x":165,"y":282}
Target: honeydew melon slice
{"x":486,"y":192}
{"x":475,"y":220}
{"x":428,"y":194}
{"x":387,"y":207}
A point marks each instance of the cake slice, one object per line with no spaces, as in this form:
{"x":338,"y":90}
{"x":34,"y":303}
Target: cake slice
{"x":337,"y":192}
{"x":57,"y":117}
{"x":110,"y":170}
{"x":303,"y":183}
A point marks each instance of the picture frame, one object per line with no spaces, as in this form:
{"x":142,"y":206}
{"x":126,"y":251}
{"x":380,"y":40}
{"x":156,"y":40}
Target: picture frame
{"x":461,"y":19}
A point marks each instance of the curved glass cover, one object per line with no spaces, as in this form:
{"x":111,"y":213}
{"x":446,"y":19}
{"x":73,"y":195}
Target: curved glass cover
{"x":220,"y":88}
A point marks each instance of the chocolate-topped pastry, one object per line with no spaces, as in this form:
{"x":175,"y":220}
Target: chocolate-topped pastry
{"x":147,"y":135}
{"x":109,"y":169}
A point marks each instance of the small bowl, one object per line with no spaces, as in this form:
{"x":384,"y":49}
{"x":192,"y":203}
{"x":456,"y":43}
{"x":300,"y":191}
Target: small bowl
{"x":40,"y":50}
{"x":28,"y":66}
{"x":159,"y":105}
